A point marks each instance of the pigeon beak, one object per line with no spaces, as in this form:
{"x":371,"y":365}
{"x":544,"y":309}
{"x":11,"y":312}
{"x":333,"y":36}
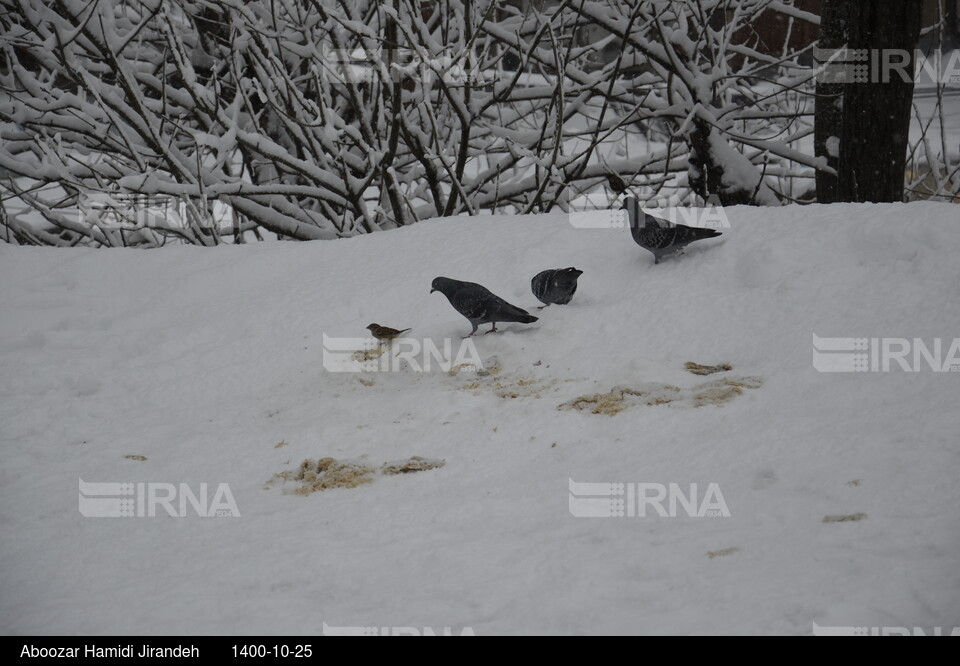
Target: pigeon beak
{"x":432,"y":290}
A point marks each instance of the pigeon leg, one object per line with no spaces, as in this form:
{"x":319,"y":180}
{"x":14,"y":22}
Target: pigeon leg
{"x":543,"y":306}
{"x":493,"y":328}
{"x":471,"y":332}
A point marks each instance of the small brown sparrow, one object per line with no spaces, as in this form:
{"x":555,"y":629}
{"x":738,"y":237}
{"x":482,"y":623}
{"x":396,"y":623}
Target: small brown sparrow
{"x":385,"y":333}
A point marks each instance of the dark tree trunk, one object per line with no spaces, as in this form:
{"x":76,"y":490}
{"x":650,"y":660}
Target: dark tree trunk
{"x":829,"y":104}
{"x":870,"y":115}
{"x":951,"y":32}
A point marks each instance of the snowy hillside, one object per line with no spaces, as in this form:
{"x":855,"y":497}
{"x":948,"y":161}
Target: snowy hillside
{"x":208,"y":363}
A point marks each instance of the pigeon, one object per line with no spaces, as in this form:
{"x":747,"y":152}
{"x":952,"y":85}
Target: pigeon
{"x":660,"y":236}
{"x":479,"y":304}
{"x":385,"y":333}
{"x":557,"y":285}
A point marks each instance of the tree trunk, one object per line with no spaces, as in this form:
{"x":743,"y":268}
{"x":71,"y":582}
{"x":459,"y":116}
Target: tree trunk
{"x":829,"y":104}
{"x":872,"y":123}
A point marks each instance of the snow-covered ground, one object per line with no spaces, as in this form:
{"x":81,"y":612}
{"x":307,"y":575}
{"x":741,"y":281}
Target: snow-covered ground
{"x":204,"y":360}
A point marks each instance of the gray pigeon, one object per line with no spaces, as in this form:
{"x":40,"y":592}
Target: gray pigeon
{"x":660,"y":236}
{"x":479,"y":304}
{"x":557,"y":285}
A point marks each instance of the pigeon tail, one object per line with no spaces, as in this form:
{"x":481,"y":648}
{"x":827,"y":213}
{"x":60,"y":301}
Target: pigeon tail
{"x":689,"y":234}
{"x":513,"y":313}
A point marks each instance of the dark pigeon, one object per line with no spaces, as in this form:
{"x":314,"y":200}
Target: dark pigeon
{"x":557,"y":285}
{"x":479,"y":304}
{"x":660,"y":236}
